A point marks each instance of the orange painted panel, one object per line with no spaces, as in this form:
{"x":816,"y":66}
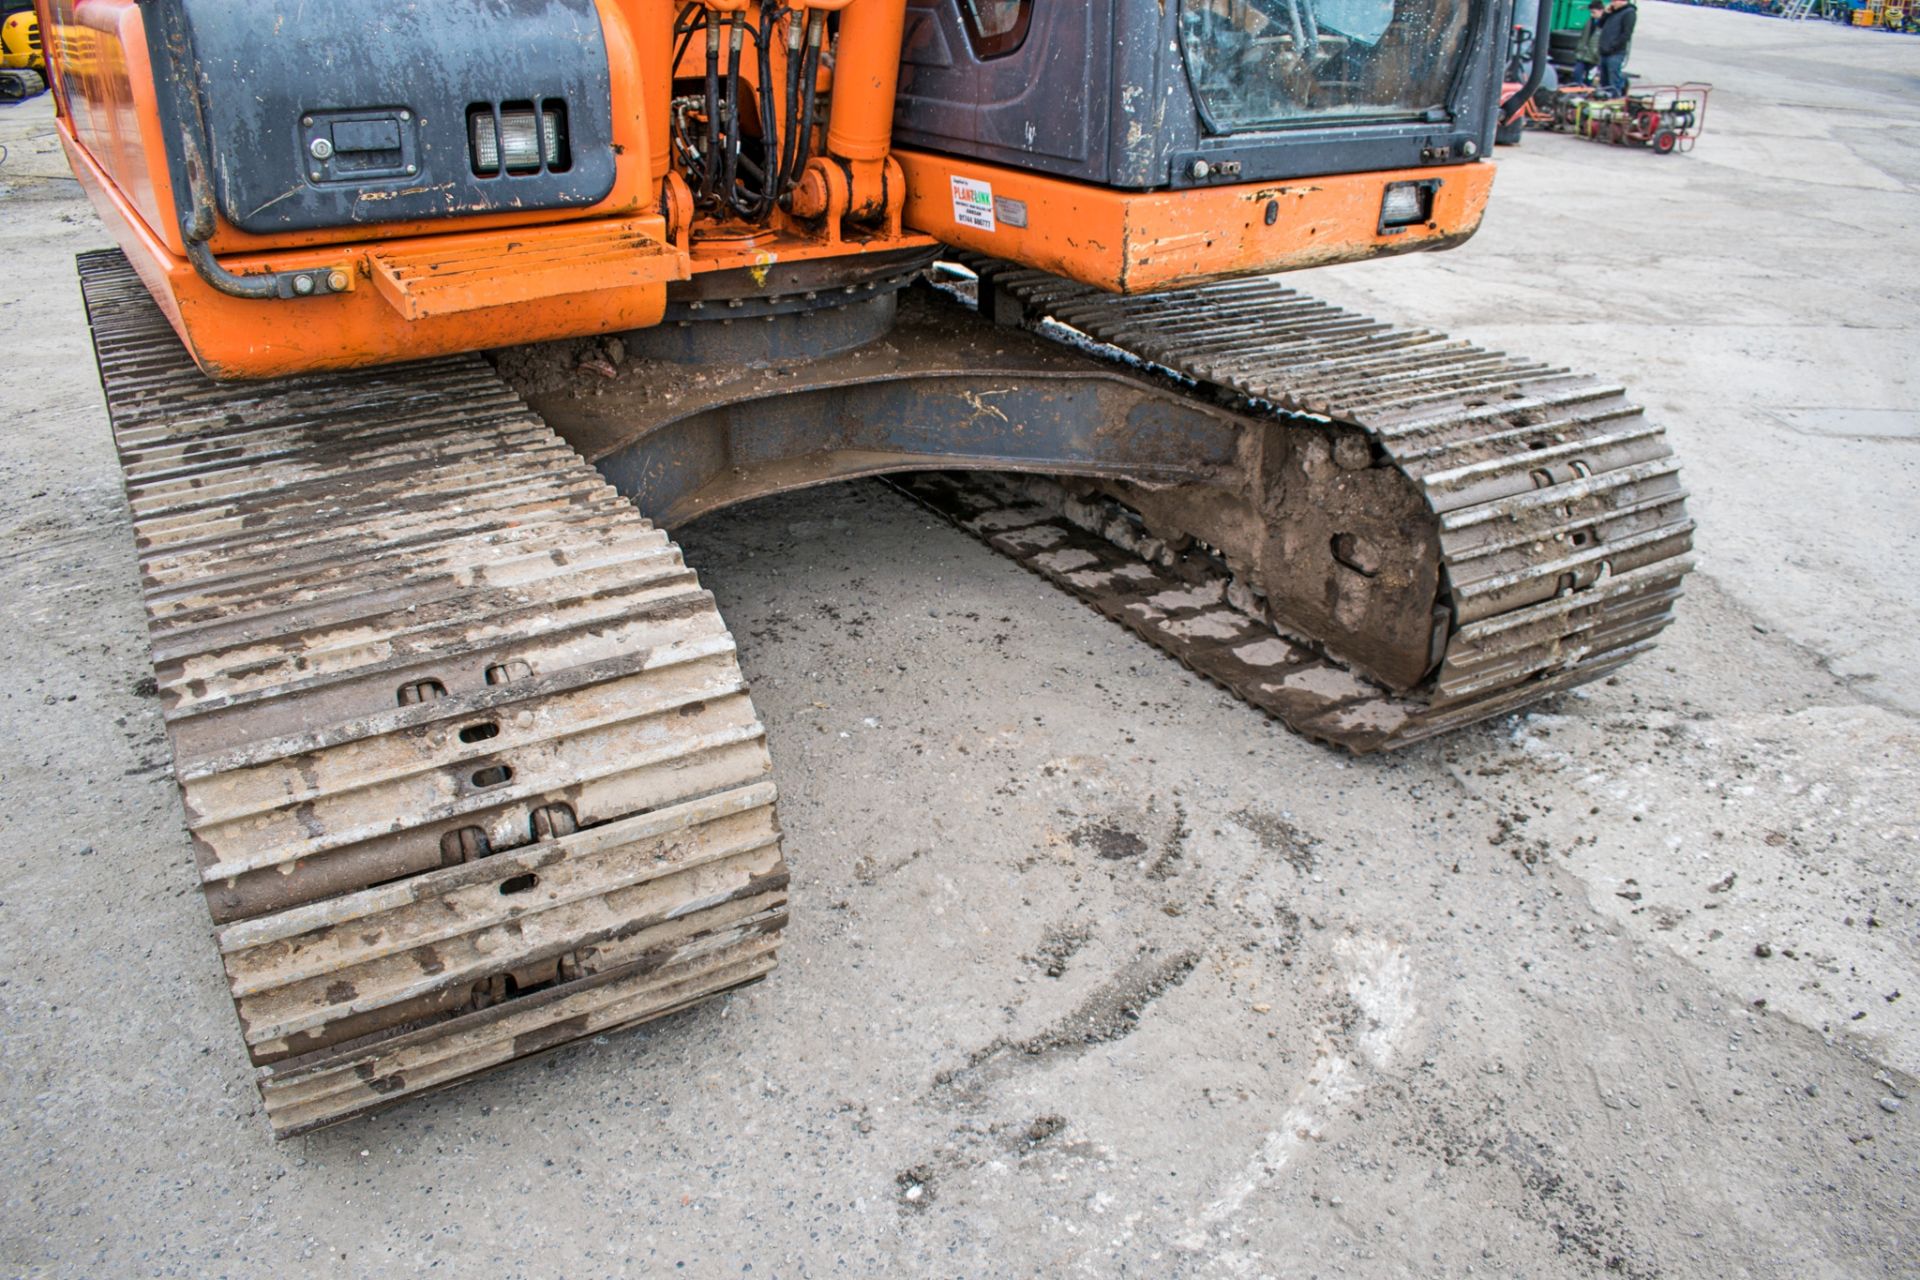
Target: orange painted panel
{"x":1134,"y":242}
{"x":240,"y":338}
{"x":97,"y":61}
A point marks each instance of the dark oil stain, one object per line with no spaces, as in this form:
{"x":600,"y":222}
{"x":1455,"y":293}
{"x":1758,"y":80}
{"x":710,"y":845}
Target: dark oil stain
{"x":1277,"y":835}
{"x":1108,"y":839}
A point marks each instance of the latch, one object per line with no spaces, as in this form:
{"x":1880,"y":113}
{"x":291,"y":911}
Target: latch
{"x":360,"y":145}
{"x":1205,"y":169}
{"x":1442,"y":150}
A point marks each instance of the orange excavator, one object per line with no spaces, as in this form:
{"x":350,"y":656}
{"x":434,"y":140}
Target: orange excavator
{"x":430,"y":322}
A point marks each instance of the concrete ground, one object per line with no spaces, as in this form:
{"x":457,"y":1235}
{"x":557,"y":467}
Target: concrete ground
{"x":1630,"y":985}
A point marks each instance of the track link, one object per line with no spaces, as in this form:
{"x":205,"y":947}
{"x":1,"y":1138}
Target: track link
{"x":1560,"y":517}
{"x":467,"y":760}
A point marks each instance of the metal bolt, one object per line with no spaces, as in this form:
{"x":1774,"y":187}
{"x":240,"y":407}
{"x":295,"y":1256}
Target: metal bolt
{"x":1200,"y":169}
{"x":406,"y":115}
{"x":306,"y":119}
{"x":337,"y":281}
{"x":303,"y":285}
{"x":1469,"y":148}
{"x":413,"y":168}
{"x":320,"y":148}
{"x":315,"y":175}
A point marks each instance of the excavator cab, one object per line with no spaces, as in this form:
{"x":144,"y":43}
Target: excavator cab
{"x":1185,"y":116}
{"x":430,"y":322}
{"x":1200,"y":93}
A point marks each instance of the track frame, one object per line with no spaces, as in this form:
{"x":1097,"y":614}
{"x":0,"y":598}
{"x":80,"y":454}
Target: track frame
{"x":1398,"y":532}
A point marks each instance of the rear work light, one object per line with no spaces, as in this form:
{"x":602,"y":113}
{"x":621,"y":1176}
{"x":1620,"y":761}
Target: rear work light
{"x":529,"y":141}
{"x":1406,"y":204}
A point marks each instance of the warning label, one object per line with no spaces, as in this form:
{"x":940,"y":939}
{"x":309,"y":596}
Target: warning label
{"x":973,"y":204}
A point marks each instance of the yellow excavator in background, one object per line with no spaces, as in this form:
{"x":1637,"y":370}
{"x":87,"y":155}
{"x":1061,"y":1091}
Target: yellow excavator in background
{"x":430,"y":321}
{"x":22,"y":64}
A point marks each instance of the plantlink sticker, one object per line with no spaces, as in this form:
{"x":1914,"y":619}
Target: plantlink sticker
{"x":973,"y":204}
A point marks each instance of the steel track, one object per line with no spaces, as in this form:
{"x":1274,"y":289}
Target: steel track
{"x":467,"y":761}
{"x":1561,"y":520}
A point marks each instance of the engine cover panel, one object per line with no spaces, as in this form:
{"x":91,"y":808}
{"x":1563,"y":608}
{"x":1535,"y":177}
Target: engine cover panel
{"x":331,"y":113}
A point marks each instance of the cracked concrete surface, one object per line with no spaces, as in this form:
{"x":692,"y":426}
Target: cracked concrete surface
{"x":1093,"y":970}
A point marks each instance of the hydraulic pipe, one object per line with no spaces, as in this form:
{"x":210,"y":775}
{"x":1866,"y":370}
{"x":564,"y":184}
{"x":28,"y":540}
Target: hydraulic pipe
{"x":709,"y":154}
{"x":866,"y":72}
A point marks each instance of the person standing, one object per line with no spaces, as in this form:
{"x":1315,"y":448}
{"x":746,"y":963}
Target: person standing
{"x":1616,"y":37}
{"x":1586,"y":51}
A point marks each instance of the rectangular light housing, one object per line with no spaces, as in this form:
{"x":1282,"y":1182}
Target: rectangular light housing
{"x":529,"y":140}
{"x":1406,"y":204}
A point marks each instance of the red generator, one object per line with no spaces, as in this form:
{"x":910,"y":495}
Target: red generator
{"x":1667,"y":118}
